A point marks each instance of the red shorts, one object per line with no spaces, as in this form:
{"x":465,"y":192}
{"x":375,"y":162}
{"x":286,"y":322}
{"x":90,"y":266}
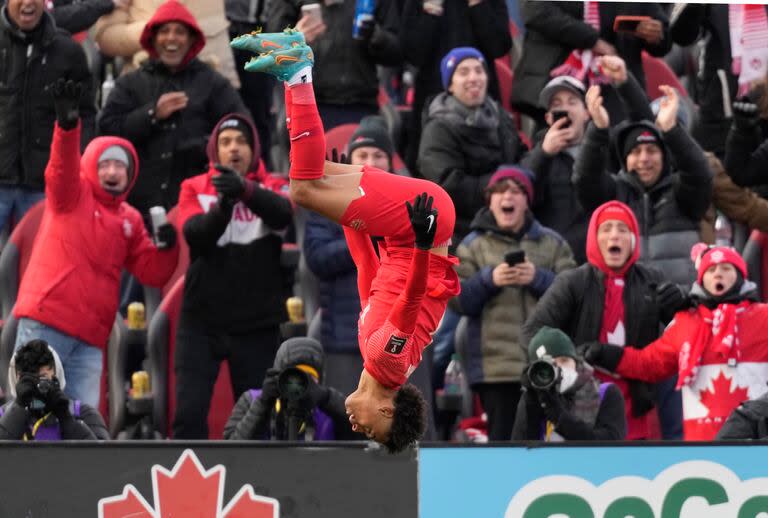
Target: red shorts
{"x":381,"y":211}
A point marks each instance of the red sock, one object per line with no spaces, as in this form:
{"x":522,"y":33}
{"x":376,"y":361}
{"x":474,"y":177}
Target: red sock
{"x":307,"y":135}
{"x":288,"y":109}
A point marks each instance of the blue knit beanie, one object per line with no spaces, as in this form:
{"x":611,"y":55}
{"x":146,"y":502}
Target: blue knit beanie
{"x":453,"y":58}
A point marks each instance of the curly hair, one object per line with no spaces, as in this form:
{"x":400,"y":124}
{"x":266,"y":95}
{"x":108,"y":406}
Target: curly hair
{"x":409,"y":421}
{"x":33,"y":355}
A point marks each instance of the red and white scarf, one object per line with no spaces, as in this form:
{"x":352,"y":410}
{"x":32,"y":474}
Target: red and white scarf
{"x":748,"y":25}
{"x":720,"y":325}
{"x":582,"y":63}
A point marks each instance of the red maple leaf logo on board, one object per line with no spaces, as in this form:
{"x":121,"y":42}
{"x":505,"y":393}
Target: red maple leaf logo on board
{"x":721,"y":401}
{"x":188,"y":490}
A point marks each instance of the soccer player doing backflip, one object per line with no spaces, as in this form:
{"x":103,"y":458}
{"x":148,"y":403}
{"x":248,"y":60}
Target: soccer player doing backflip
{"x":403,"y":292}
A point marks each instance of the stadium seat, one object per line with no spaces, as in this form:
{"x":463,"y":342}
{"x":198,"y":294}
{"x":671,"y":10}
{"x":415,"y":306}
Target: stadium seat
{"x":657,"y":73}
{"x":755,"y":254}
{"x":161,"y":341}
{"x":505,"y":76}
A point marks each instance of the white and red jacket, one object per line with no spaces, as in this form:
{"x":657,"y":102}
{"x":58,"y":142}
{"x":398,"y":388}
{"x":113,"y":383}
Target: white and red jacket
{"x":720,"y":382}
{"x":86,"y":238}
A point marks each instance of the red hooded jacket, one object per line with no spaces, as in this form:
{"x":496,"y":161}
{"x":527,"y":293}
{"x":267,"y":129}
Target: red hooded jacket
{"x":172,"y":11}
{"x":86,"y":237}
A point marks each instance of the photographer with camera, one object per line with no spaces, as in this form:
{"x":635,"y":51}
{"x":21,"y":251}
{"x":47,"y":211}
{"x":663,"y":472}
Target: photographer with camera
{"x":292,"y":402}
{"x":562,"y":398}
{"x":40,"y":410}
{"x":507,"y":262}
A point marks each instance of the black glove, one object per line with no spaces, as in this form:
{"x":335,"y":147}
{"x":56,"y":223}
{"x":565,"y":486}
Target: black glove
{"x":166,"y":236}
{"x":551,"y":404}
{"x":270,"y":390}
{"x":603,"y":355}
{"x":229,"y":184}
{"x":423,"y":220}
{"x":671,"y":298}
{"x":318,"y":394}
{"x":339,"y":158}
{"x":56,"y":401}
{"x":66,"y":102}
{"x":746,"y":114}
{"x":365,"y":29}
{"x":26,"y":389}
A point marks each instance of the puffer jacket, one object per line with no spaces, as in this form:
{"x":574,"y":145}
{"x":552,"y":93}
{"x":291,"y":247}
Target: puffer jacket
{"x":251,"y":417}
{"x":345,"y":68}
{"x":173,"y":149}
{"x":87,"y":237}
{"x":327,"y":255}
{"x":669,"y":211}
{"x":461,"y":148}
{"x":496,"y":352}
{"x":29,"y":64}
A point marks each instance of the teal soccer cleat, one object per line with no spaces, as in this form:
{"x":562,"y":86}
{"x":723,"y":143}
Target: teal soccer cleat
{"x":261,"y":43}
{"x":283,"y":64}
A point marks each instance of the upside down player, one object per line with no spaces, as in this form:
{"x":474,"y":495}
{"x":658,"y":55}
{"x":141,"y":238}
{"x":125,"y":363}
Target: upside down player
{"x":403,"y":294}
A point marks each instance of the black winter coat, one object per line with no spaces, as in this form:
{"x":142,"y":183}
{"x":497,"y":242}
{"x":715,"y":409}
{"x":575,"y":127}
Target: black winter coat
{"x":427,"y":38}
{"x":746,"y":155}
{"x":79,"y":15}
{"x":26,"y":105}
{"x":748,"y":421}
{"x":462,"y":156}
{"x":554,"y":29}
{"x":87,"y":426}
{"x":173,"y":149}
{"x":574,"y":304}
{"x":668,"y":212}
{"x":345,"y":68}
{"x":709,"y":23}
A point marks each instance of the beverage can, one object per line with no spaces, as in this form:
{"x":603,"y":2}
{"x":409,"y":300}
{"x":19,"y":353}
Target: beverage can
{"x":159,"y":218}
{"x":136,"y":316}
{"x":364,"y":10}
{"x":140,"y":384}
{"x":295,"y":307}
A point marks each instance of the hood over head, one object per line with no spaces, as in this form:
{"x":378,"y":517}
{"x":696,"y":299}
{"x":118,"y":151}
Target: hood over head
{"x":172,"y":11}
{"x":607,"y":211}
{"x":89,"y":168}
{"x":58,"y":372}
{"x":303,"y":351}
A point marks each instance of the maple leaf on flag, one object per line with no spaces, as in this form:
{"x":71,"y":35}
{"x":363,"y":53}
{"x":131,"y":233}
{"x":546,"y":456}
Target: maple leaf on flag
{"x":188,"y":490}
{"x":720,"y":400}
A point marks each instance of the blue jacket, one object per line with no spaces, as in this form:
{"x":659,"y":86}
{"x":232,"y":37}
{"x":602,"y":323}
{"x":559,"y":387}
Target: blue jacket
{"x":328,"y":257}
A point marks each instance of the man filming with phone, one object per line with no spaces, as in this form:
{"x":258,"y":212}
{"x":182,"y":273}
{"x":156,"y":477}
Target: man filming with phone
{"x":551,"y":160}
{"x":507,"y":262}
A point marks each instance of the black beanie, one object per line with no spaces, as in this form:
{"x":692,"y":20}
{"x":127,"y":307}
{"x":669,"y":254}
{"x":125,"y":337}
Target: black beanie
{"x":636,"y":136}
{"x":237,"y":123}
{"x":371,"y":132}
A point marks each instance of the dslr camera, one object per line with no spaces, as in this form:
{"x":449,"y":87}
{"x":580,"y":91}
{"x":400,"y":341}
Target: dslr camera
{"x":543,"y":374}
{"x":44,"y":386}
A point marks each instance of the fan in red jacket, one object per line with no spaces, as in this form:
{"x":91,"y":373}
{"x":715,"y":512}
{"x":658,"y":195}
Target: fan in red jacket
{"x":718,"y":347}
{"x":88,"y":235}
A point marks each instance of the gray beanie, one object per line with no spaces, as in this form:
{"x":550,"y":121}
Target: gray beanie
{"x":115,"y":152}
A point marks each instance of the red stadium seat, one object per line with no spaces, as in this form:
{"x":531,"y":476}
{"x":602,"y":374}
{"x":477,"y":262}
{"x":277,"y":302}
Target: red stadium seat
{"x":161,"y":341}
{"x":505,"y":75}
{"x":657,"y":73}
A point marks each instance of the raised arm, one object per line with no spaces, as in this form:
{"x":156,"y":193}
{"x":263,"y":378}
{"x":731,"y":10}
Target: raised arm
{"x":62,"y":174}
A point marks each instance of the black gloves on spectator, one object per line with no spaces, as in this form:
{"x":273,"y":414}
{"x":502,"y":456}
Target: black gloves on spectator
{"x":57,"y":402}
{"x":66,"y":102}
{"x":365,"y":29}
{"x":26,"y":389}
{"x":339,"y":158}
{"x":229,"y":184}
{"x":270,"y":390}
{"x":671,"y":299}
{"x":166,"y":236}
{"x":603,"y":355}
{"x":423,"y":220}
{"x":746,"y":114}
{"x":551,"y":404}
{"x":318,"y":394}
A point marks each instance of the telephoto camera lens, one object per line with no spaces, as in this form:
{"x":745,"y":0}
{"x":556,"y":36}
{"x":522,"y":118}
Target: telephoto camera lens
{"x":293,"y":384}
{"x":543,"y":374}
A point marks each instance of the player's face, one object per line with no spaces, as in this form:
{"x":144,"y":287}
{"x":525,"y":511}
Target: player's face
{"x":719,"y":278}
{"x":369,"y":416}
